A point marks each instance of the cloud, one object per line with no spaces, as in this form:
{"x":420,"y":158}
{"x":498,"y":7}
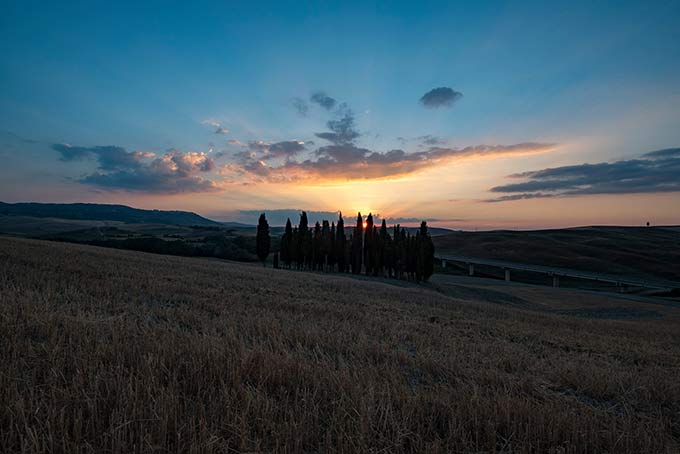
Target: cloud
{"x":342,"y":130}
{"x":427,"y":140}
{"x":109,"y":157}
{"x":431,"y":140}
{"x":323,"y":100}
{"x":264,"y":151}
{"x":217,"y":125}
{"x":300,"y":106}
{"x":285,"y":149}
{"x":345,"y":161}
{"x":440,"y":97}
{"x":137,"y":171}
{"x":656,"y":171}
{"x":665,"y":153}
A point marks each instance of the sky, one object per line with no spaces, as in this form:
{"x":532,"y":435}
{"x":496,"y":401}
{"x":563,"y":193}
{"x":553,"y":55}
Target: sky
{"x":471,"y":115}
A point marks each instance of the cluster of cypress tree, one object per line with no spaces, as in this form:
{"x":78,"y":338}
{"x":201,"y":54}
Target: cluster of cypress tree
{"x":372,"y":250}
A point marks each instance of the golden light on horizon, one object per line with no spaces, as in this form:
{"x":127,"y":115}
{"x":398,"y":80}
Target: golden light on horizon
{"x":365,"y":225}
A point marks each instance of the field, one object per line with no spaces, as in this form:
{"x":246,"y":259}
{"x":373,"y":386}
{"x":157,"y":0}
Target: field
{"x":105,"y":350}
{"x":644,"y":252}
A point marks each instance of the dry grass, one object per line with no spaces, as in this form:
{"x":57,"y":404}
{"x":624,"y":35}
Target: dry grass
{"x":116,"y":351}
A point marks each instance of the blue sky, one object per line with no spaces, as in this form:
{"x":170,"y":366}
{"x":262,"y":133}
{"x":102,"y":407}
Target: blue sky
{"x":552,"y":84}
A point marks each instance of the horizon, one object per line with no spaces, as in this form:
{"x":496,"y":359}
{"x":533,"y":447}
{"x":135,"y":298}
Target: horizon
{"x":492,"y":116}
{"x":249,"y":218}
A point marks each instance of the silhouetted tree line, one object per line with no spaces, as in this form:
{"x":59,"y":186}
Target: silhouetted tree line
{"x":240,"y":248}
{"x":373,"y":250}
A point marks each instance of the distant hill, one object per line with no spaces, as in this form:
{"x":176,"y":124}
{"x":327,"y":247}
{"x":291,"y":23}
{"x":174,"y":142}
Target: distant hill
{"x":103,"y":212}
{"x":633,"y":251}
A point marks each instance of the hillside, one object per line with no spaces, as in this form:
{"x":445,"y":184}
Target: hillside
{"x":102,"y":212}
{"x":632,"y":251}
{"x":109,"y":350}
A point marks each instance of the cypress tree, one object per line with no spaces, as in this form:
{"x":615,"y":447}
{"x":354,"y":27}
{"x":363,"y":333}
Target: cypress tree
{"x":262,"y":239}
{"x":396,"y":257}
{"x":294,"y":248}
{"x":325,"y":245}
{"x":427,"y":252}
{"x":303,"y":251}
{"x":340,"y":245}
{"x":285,"y":246}
{"x":420,"y":258}
{"x":384,"y":249}
{"x":308,"y":249}
{"x":404,"y":253}
{"x":357,"y":249}
{"x":317,"y":252}
{"x":331,"y":253}
{"x":369,"y":263}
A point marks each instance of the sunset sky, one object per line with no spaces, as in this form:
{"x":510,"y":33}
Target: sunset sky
{"x":471,"y":115}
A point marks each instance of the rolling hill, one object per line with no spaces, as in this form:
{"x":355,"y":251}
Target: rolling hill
{"x":632,"y":251}
{"x":103,"y":212}
{"x":118,"y":351}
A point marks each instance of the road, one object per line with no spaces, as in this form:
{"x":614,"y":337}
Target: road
{"x":657,"y":284}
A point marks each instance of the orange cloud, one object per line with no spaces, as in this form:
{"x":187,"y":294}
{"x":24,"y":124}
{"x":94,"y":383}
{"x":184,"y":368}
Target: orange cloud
{"x":347,"y":162}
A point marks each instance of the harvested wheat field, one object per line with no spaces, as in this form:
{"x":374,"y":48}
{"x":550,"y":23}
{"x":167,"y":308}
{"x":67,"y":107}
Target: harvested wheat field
{"x":116,"y":351}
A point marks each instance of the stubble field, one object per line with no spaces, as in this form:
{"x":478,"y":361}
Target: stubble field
{"x":116,"y":351}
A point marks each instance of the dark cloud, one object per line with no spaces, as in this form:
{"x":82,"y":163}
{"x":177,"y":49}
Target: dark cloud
{"x":342,"y":130}
{"x":323,"y":100}
{"x":109,"y":157}
{"x":342,"y":153}
{"x":300,"y":106}
{"x":69,"y":153}
{"x":665,"y":153}
{"x":285,"y":149}
{"x":431,"y":140}
{"x":260,"y":150}
{"x":440,"y":97}
{"x":349,"y":162}
{"x":143,"y":171}
{"x":656,"y":171}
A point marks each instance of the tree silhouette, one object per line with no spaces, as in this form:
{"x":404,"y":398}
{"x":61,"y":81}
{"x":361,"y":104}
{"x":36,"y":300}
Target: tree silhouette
{"x":331,"y":252}
{"x":325,"y":246}
{"x":295,"y":248}
{"x":304,"y":245}
{"x":340,"y":245}
{"x":368,"y":245}
{"x":285,"y":245}
{"x":400,"y":255}
{"x":262,"y":239}
{"x":316,"y":248}
{"x":385,"y":246}
{"x":427,"y":251}
{"x":357,"y":249}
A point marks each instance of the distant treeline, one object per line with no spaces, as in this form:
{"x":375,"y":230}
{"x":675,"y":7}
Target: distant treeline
{"x":239,"y":248}
{"x":373,"y":250}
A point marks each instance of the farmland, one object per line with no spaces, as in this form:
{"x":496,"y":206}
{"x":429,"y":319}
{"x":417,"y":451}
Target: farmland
{"x":105,"y":350}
